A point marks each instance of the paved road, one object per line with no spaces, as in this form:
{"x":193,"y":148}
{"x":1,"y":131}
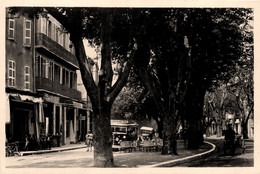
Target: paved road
{"x":81,"y":159}
{"x":218,"y":159}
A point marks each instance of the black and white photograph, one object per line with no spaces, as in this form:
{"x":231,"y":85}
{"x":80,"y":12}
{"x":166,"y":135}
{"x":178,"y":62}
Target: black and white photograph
{"x":128,"y":87}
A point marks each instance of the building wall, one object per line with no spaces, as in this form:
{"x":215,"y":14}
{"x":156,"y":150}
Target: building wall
{"x":61,"y":99}
{"x":53,"y":50}
{"x":18,"y":52}
{"x":250,"y":128}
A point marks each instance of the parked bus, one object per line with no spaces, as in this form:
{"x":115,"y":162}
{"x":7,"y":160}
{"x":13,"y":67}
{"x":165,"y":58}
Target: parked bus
{"x":123,"y":130}
{"x":147,"y":133}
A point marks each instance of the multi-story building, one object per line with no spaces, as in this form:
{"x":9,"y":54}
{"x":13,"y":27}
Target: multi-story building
{"x":22,"y":101}
{"x":41,"y":81}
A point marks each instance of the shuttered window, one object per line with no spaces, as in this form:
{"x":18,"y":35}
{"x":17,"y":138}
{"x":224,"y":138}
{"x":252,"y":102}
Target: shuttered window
{"x":11,"y":26}
{"x":11,"y":73}
{"x":27,"y":33}
{"x":27,"y":77}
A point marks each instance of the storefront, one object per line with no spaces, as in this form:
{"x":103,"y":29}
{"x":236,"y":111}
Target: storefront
{"x":23,"y":116}
{"x":65,"y":119}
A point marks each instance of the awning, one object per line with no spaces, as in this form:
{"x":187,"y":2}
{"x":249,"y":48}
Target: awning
{"x":30,"y":98}
{"x":20,"y":97}
{"x":7,"y":109}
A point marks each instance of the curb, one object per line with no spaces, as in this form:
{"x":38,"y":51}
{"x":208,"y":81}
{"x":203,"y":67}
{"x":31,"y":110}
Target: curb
{"x":49,"y":151}
{"x":181,"y":160}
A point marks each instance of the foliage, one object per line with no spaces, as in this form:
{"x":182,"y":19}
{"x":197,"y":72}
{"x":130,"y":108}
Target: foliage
{"x":188,"y":52}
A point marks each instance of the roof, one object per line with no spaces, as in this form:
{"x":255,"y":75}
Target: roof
{"x":124,"y":124}
{"x":146,"y":128}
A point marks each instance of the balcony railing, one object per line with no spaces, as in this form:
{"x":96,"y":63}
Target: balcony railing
{"x":44,"y":42}
{"x":49,"y":85}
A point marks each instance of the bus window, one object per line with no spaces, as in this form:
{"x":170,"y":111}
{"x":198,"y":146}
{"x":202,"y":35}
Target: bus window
{"x":120,"y":129}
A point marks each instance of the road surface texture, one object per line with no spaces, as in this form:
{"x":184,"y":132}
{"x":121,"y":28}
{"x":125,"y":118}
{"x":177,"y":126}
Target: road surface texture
{"x":219,"y":159}
{"x":81,"y":159}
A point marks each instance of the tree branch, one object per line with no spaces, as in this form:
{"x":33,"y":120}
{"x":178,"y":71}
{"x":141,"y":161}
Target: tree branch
{"x":123,"y":76}
{"x":85,"y":70}
{"x":106,"y":74}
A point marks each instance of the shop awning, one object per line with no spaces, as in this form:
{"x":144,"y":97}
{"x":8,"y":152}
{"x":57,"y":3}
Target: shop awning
{"x":20,"y":97}
{"x":7,"y":109}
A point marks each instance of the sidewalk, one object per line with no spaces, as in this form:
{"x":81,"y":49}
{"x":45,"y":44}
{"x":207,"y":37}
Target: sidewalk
{"x":54,"y":149}
{"x":140,"y":159}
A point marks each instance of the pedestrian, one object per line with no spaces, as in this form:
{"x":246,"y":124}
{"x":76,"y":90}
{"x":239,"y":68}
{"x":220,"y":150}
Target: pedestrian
{"x":48,"y":142}
{"x":230,"y":139}
{"x":89,"y":141}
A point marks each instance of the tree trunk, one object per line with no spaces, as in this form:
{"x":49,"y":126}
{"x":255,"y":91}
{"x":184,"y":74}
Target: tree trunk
{"x":160,"y":126}
{"x":195,"y":136}
{"x":195,"y":112}
{"x":169,"y":135}
{"x":103,"y":155}
{"x":244,"y":129}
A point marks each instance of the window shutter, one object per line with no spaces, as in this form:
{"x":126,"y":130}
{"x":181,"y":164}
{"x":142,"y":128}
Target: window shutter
{"x":11,"y":28}
{"x":27,"y":33}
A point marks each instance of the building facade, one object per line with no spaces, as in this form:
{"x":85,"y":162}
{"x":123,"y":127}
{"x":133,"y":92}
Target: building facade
{"x":42,"y":98}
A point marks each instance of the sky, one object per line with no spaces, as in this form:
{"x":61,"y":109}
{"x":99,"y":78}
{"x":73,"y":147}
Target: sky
{"x":90,"y":52}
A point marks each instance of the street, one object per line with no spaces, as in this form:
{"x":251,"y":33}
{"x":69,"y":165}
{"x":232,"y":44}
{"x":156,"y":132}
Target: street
{"x":218,"y":159}
{"x":81,"y":159}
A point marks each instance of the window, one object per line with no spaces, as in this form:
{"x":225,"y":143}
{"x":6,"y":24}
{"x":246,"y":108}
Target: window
{"x":64,"y":40}
{"x":11,"y":73}
{"x":51,"y":76}
{"x":63,"y":76}
{"x":44,"y":68}
{"x":67,"y":78}
{"x":27,"y":33}
{"x":61,"y":37}
{"x":11,"y":25}
{"x":27,"y":77}
{"x":37,"y":67}
{"x":49,"y":29}
{"x":71,"y":80}
{"x":57,"y":34}
{"x":75,"y":81}
{"x":57,"y":73}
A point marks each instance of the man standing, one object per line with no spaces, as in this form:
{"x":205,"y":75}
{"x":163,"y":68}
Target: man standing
{"x":89,"y":141}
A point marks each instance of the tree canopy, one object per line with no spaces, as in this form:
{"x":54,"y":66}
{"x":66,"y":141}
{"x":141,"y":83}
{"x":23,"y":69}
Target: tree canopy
{"x":178,"y":53}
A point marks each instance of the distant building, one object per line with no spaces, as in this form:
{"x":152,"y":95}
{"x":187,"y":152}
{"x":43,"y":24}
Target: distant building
{"x":216,"y":122}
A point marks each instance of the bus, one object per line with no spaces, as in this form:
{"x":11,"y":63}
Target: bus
{"x":123,"y":130}
{"x":147,"y":133}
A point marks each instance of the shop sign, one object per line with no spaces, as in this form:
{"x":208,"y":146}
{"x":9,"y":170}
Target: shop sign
{"x":82,"y":118}
{"x":77,"y":105}
{"x":51,"y":98}
{"x":66,"y":101}
{"x":121,"y":122}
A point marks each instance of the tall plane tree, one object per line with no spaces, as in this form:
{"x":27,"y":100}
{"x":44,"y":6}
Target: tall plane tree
{"x":189,"y":51}
{"x":116,"y":32}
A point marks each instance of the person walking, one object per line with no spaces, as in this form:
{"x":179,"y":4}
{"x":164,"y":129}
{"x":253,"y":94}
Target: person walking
{"x":229,"y":139}
{"x":89,"y":141}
